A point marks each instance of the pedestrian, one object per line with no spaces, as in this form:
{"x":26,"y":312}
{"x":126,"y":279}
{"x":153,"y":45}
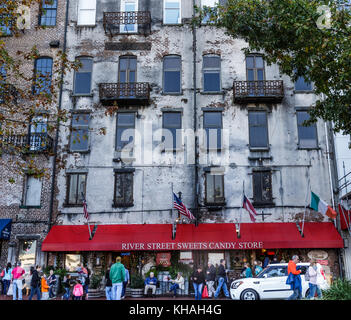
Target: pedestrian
{"x":150,"y":283}
{"x":6,"y":278}
{"x":266,"y":261}
{"x":312,"y":280}
{"x":275,"y":260}
{"x":35,"y":283}
{"x":321,"y":279}
{"x":44,"y":287}
{"x":86,"y":284}
{"x":178,"y":283}
{"x":82,"y":274}
{"x":78,"y":291}
{"x":125,"y":283}
{"x":108,"y":285}
{"x":247,"y":271}
{"x":222,"y":280}
{"x":210,"y":279}
{"x":52,"y":284}
{"x":17,"y":280}
{"x":198,"y":278}
{"x":67,"y":287}
{"x":258,"y":267}
{"x":294,"y":279}
{"x":117,"y":276}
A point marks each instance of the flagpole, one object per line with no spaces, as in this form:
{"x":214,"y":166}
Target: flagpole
{"x":88,"y":216}
{"x":308,"y":192}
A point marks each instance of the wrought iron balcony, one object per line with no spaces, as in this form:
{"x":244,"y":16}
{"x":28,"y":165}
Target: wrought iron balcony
{"x":30,"y":143}
{"x":127,"y":22}
{"x":258,"y":91}
{"x":130,"y":93}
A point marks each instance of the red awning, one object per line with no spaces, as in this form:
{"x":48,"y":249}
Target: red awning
{"x":210,"y":236}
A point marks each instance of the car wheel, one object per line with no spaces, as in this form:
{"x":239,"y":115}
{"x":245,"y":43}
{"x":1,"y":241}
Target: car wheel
{"x":249,"y":294}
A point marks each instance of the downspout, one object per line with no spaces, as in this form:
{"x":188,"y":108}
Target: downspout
{"x":51,"y":207}
{"x":196,"y":181}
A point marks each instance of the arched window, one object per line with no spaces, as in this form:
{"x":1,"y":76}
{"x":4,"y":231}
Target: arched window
{"x":42,"y":75}
{"x":172,"y":74}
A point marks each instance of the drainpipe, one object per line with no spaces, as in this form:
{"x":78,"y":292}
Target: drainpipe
{"x":196,"y":182}
{"x":51,"y":208}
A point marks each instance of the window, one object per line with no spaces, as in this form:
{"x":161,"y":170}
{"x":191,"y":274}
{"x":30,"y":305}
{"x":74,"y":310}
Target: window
{"x":38,"y":137}
{"x":129,"y":6}
{"x":207,"y":7}
{"x":79,"y":140}
{"x":127,"y":69}
{"x":214,"y":188}
{"x":123,"y":189}
{"x":125,"y":129}
{"x":258,"y":131}
{"x":211,"y":73}
{"x":255,"y":72}
{"x":172,"y":12}
{"x":171,"y":74}
{"x":32,"y":191}
{"x":48,"y":13}
{"x":262,"y":187}
{"x":6,"y":21}
{"x":172,"y":125}
{"x":213,"y":130}
{"x":76,"y":188}
{"x":73,"y":261}
{"x":3,"y":75}
{"x":82,"y":77}
{"x":302,"y":85}
{"x":27,"y":253}
{"x":273,"y":272}
{"x":42,"y":76}
{"x":86,"y":12}
{"x":307,"y":134}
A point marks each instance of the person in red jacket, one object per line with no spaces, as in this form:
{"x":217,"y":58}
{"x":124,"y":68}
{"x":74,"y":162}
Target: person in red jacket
{"x":292,"y":269}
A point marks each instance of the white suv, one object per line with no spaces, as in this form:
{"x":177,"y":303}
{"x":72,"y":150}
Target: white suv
{"x":270,"y":283}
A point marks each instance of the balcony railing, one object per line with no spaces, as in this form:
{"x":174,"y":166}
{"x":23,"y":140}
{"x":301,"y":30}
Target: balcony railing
{"x":32,"y":143}
{"x":130,"y":93}
{"x":127,"y":22}
{"x":258,"y":91}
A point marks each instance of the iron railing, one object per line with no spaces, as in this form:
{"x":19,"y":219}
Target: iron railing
{"x":34,"y":142}
{"x":261,"y":90}
{"x":129,"y":93}
{"x":127,"y":22}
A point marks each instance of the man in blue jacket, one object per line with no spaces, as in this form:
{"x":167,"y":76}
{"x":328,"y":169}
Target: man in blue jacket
{"x":150,"y":283}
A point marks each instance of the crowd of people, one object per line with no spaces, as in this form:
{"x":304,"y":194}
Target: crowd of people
{"x":209,"y":283}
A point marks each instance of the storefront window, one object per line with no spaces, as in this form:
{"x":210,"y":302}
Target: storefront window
{"x":27,"y":253}
{"x":215,"y":258}
{"x":73,"y":261}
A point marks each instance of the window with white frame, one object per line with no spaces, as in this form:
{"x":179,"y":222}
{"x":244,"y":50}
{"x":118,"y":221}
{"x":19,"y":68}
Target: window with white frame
{"x":211,"y":69}
{"x":172,"y":12}
{"x":208,"y":7}
{"x":32,"y":190}
{"x":86,"y":12}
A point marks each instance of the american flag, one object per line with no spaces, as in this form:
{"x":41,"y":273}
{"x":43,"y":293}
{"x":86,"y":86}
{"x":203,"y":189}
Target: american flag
{"x":178,"y":204}
{"x":85,"y":209}
{"x":249,"y":207}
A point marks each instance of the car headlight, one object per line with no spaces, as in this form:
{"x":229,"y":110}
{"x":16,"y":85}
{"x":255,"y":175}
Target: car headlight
{"x":236,"y":284}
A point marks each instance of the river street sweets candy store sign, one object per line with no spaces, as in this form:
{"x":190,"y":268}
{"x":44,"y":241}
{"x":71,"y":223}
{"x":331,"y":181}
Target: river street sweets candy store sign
{"x":192,"y":245}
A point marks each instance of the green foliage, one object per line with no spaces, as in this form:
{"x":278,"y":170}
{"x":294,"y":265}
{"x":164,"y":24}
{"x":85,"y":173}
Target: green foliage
{"x":309,"y":38}
{"x":339,"y":290}
{"x":95,"y":281}
{"x":136,"y":281}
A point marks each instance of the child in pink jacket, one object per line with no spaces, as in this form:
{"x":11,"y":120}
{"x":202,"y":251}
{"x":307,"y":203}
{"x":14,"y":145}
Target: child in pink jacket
{"x":77,"y":291}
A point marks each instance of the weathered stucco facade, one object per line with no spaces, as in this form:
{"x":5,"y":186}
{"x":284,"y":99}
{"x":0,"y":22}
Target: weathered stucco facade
{"x":291,"y":167}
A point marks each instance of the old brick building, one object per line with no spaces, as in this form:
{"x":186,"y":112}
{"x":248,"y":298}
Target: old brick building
{"x":25,"y":199}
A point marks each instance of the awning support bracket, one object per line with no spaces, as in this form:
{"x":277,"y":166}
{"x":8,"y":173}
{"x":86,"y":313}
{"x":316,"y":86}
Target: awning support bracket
{"x":93,"y":232}
{"x":300,"y":230}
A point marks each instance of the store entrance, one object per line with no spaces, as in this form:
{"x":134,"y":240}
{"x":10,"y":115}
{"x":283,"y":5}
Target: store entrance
{"x":125,"y":258}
